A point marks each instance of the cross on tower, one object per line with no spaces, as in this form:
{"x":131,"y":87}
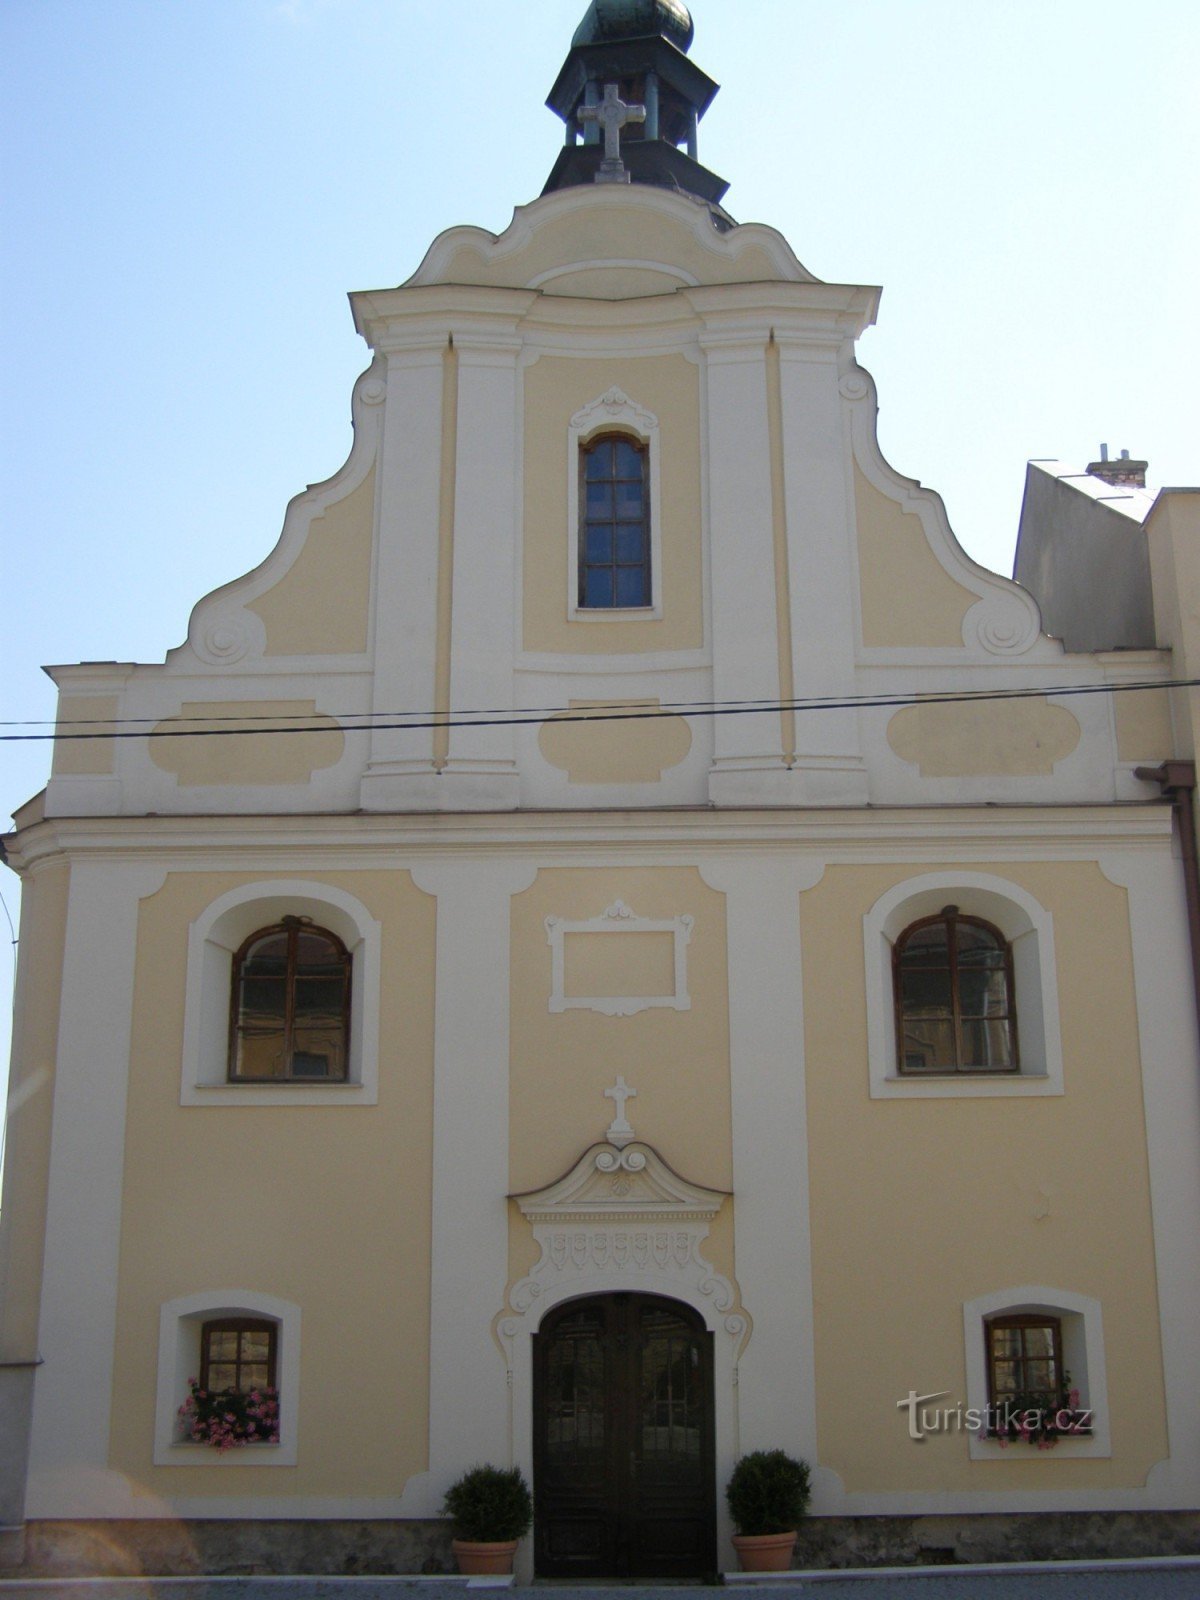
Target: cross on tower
{"x":611,"y":115}
{"x":620,"y":1133}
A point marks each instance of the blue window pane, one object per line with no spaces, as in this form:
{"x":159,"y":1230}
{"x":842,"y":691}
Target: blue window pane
{"x":631,"y":543}
{"x":629,"y":460}
{"x":598,"y":586}
{"x":599,"y":500}
{"x":598,"y":546}
{"x":629,"y":500}
{"x":598,"y":461}
{"x":631,"y":586}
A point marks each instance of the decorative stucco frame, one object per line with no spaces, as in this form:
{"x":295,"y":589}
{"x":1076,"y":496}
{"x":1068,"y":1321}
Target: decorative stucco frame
{"x":1083,"y":1356}
{"x":1029,"y":929}
{"x":180,"y":1322}
{"x":617,"y":412}
{"x":617,"y":919}
{"x":622,"y":1220}
{"x":212,"y":940}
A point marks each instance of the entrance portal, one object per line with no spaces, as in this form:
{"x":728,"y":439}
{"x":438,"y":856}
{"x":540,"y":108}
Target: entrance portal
{"x":623,"y":1440}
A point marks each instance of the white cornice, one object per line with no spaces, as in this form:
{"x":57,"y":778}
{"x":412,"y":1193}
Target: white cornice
{"x":350,"y":842}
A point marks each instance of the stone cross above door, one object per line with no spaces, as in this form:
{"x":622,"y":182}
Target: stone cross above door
{"x":620,"y":1132}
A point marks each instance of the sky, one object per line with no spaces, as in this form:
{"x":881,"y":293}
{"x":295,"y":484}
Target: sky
{"x":190,"y":187}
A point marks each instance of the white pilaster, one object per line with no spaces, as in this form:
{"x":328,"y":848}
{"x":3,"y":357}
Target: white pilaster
{"x":73,"y":1389}
{"x":776,"y":1384}
{"x":481,"y":772}
{"x":829,"y":767}
{"x":468,"y":1397}
{"x":405,"y":580}
{"x":1170,"y":1053}
{"x":744,"y":624}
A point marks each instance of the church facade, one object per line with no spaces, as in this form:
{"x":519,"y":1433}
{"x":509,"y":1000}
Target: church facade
{"x":616,"y":946}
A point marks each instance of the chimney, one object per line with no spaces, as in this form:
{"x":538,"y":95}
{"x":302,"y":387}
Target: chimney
{"x":1131,"y":474}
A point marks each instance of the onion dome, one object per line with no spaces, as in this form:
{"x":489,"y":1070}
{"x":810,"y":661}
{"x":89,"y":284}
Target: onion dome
{"x":609,"y":20}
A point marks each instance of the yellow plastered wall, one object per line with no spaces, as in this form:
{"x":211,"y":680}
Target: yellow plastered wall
{"x":328,"y":1207}
{"x":678,"y":1061}
{"x":1144,"y":731}
{"x":321,"y":604}
{"x":919,"y":1207}
{"x":1003,"y":738}
{"x":85,"y":714}
{"x":908,"y":597}
{"x":225,"y":751}
{"x":30,"y":1108}
{"x":556,"y":387}
{"x":606,"y":749}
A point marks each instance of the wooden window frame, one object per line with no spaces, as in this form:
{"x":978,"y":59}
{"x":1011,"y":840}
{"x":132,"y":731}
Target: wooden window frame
{"x":586,"y":449}
{"x":950,"y":917}
{"x":293,"y":927}
{"x":1028,"y":1319}
{"x":240,"y":1325}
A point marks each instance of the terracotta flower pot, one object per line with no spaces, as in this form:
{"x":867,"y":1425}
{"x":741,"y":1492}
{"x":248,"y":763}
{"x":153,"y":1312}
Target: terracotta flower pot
{"x":765,"y":1552}
{"x":476,"y":1560}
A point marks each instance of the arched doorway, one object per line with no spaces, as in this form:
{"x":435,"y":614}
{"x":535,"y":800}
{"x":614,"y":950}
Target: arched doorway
{"x":623,"y":1440}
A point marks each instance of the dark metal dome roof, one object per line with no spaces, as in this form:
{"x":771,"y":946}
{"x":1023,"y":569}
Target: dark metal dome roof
{"x":606,"y":20}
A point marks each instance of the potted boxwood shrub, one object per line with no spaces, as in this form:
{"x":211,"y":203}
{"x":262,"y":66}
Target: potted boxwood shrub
{"x":767,"y":1495}
{"x":491,"y":1508}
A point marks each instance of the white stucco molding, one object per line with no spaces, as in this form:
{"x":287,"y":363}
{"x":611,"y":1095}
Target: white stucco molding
{"x":1029,"y":929}
{"x":1083,"y":1357}
{"x":222,"y":632}
{"x":622,"y":1219}
{"x":618,"y":919}
{"x":179,"y":1324}
{"x":613,"y":410}
{"x":572,"y":268}
{"x":214,"y":938}
{"x":1005,"y":620}
{"x":497,"y":250}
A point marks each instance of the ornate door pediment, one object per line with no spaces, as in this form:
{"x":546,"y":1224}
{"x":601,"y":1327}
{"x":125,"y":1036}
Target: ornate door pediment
{"x":621,"y":1218}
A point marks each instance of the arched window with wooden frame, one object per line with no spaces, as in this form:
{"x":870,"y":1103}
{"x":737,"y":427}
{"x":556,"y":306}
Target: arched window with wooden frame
{"x":955,"y":1005}
{"x":614,"y":533}
{"x":290,"y":1011}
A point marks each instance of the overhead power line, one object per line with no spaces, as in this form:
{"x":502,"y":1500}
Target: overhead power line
{"x":607,"y":711}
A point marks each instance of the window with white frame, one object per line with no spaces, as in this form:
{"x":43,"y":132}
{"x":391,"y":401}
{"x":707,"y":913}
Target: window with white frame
{"x":1035,"y":1357}
{"x":241,"y":1349}
{"x":961,"y":989}
{"x":258,"y":1038}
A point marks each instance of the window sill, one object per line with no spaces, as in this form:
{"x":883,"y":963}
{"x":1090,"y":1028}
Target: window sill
{"x":282,"y":1092}
{"x":615,"y":613}
{"x":967,"y":1085}
{"x":186,"y":1453}
{"x":1069,"y":1448}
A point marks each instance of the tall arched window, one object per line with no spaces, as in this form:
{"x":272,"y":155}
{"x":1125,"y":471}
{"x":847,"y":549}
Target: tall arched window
{"x":953,"y":981}
{"x":614,"y":534}
{"x":290,"y":1005}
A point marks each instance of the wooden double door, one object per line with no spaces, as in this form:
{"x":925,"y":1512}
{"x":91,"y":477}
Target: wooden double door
{"x":624,"y":1476}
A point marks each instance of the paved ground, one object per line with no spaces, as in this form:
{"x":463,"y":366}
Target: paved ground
{"x":1132,"y":1580}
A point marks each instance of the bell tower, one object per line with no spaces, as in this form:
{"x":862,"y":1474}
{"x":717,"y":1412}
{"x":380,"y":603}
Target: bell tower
{"x":632,"y":54}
